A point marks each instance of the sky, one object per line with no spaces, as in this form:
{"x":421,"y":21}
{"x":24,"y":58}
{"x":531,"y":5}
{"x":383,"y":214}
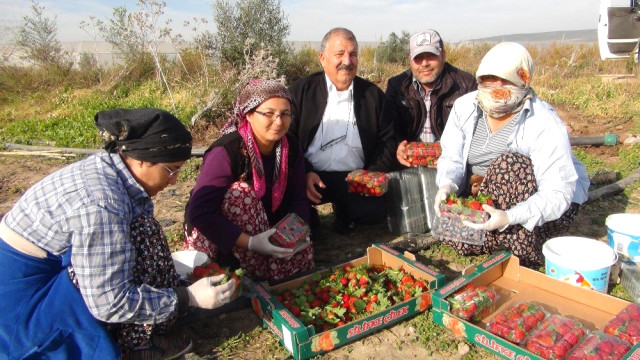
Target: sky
{"x":370,"y":20}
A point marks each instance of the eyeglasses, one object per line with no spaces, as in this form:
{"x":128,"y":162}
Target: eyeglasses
{"x":272,"y":116}
{"x":172,"y":173}
{"x":332,"y":142}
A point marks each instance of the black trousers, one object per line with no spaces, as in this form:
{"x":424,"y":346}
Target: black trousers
{"x":351,"y":207}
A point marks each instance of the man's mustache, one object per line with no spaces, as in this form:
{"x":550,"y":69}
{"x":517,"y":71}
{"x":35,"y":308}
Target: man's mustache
{"x":349,"y":67}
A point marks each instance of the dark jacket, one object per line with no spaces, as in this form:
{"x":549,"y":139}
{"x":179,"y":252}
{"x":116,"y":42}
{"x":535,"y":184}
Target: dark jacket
{"x":406,"y":111}
{"x":309,"y":97}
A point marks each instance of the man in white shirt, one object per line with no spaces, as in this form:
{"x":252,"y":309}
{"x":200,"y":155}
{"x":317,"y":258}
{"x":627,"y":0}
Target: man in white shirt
{"x":338,"y":122}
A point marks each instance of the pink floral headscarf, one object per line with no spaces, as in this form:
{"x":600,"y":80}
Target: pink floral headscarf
{"x":254,"y":93}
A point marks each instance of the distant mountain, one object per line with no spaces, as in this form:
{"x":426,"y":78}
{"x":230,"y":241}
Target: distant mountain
{"x":574,"y":36}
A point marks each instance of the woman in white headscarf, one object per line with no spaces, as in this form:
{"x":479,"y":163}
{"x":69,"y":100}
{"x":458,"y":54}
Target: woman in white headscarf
{"x":518,"y":147}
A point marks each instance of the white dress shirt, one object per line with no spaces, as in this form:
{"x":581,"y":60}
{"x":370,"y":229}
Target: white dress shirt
{"x":336,"y":146}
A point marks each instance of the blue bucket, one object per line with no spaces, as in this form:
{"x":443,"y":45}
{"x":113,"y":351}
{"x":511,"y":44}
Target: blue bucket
{"x":579,"y":261}
{"x":623,"y":234}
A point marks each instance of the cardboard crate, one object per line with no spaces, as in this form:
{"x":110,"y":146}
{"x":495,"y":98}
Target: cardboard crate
{"x":513,"y":284}
{"x":303,"y":343}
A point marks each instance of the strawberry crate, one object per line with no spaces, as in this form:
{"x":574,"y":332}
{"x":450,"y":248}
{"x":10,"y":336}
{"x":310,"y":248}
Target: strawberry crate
{"x":514,"y":285}
{"x":367,"y":183}
{"x":304,"y":341}
{"x":423,"y":154}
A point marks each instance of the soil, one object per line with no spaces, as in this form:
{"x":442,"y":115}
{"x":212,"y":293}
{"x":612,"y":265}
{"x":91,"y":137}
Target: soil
{"x":18,"y":171}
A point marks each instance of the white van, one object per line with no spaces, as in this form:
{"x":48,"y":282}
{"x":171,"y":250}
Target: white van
{"x":618,"y":29}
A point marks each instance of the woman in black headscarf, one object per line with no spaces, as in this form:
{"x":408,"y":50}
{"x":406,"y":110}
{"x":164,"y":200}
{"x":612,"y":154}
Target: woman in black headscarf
{"x":85,"y":269}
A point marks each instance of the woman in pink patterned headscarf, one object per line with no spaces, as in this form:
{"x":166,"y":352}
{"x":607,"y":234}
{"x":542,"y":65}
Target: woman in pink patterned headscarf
{"x":251,"y":177}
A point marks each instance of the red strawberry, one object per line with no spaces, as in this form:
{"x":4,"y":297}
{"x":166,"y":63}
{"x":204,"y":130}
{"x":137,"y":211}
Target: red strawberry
{"x":474,"y":205}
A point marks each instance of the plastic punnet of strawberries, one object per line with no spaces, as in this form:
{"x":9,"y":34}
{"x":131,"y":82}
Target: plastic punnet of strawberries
{"x":555,"y":337}
{"x":473,"y":302}
{"x":466,"y":208}
{"x":212,"y":269}
{"x":348,"y":293}
{"x":626,"y":324}
{"x":598,"y":345}
{"x":367,"y":183}
{"x":517,"y":321}
{"x":454,"y":210}
{"x":423,"y":154}
{"x":289,"y":231}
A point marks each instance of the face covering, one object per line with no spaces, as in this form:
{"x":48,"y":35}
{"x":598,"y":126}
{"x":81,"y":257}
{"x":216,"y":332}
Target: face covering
{"x":500,"y":100}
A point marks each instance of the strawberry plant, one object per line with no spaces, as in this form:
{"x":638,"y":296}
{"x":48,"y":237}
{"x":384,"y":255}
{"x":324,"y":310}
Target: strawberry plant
{"x":423,"y":154}
{"x":517,"y":321}
{"x":626,"y":324}
{"x":348,"y":293}
{"x":598,"y":345}
{"x":555,"y":337}
{"x":473,"y":302}
{"x":367,"y":183}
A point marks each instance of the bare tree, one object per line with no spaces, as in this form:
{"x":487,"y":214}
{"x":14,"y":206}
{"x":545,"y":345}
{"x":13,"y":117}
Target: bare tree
{"x":37,"y":35}
{"x":139,"y":32}
{"x":259,"y":64}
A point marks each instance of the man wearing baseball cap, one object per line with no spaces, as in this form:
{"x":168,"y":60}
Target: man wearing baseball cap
{"x":418,"y":100}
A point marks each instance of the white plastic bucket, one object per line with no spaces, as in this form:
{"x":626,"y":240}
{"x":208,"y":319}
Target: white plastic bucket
{"x":186,"y":260}
{"x":579,"y":261}
{"x":623,"y":234}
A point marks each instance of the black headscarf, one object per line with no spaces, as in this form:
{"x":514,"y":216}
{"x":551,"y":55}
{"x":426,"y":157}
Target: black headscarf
{"x":145,"y":134}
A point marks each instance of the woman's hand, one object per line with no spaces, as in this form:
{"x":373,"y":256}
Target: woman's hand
{"x":499,"y":220}
{"x":207,"y":294}
{"x":441,"y":195}
{"x":260,"y":243}
{"x":401,"y":153}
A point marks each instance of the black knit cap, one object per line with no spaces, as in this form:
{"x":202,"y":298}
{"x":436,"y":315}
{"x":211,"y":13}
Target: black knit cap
{"x":145,"y":134}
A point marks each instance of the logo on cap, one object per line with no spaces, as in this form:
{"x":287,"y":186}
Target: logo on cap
{"x":423,"y":39}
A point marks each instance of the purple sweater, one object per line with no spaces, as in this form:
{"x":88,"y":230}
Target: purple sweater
{"x":205,"y":206}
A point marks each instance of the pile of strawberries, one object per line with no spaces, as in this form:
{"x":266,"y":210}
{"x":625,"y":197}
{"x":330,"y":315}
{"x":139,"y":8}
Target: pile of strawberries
{"x":473,"y":302}
{"x":212,"y":269}
{"x":517,"y":321}
{"x":555,"y":336}
{"x":367,"y":183}
{"x":348,"y":293}
{"x":423,"y":154}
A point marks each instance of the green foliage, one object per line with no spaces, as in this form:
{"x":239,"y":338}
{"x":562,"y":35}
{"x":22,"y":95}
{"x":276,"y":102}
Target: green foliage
{"x":301,"y":63}
{"x":245,"y":26}
{"x":37,"y":35}
{"x":630,"y":159}
{"x":395,"y":49}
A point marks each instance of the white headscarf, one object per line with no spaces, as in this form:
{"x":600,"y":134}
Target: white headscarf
{"x":512,"y":62}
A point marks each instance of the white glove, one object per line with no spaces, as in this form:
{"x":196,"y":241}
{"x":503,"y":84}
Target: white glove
{"x":260,"y":243}
{"x":499,"y":220}
{"x":205,"y":294}
{"x":441,"y":195}
{"x":300,"y":245}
